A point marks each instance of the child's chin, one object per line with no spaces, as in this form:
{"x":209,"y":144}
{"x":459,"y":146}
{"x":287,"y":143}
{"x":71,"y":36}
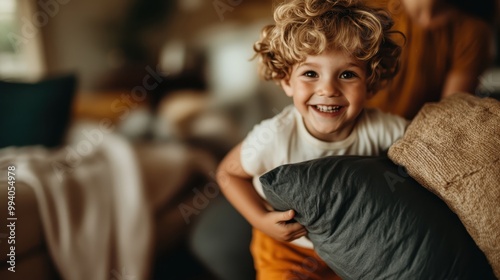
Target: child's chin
{"x":327,"y":134}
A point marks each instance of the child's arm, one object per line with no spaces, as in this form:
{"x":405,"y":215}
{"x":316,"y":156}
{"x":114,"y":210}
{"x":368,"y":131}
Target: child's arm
{"x":237,"y":186}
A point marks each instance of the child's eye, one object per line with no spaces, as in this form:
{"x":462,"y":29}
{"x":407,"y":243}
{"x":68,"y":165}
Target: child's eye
{"x":347,"y":75}
{"x":310,"y":74}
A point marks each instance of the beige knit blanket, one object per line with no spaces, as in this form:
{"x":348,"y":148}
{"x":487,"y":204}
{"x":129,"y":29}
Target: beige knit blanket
{"x":453,"y":148}
{"x":92,"y":204}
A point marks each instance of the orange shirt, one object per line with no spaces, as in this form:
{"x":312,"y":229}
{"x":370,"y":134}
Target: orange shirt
{"x":429,"y":56}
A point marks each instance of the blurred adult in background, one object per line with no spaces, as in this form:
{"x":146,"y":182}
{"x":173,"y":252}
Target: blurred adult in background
{"x":448,"y":44}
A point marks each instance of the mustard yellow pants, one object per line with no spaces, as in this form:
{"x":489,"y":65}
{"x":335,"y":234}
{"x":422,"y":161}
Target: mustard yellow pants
{"x":275,"y":260}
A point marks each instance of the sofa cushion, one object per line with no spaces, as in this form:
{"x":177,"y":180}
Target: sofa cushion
{"x":35,"y":113}
{"x":452,"y":147}
{"x":368,"y":220}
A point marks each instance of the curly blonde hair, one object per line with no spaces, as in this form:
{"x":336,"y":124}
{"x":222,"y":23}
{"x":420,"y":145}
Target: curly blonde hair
{"x":309,"y":27}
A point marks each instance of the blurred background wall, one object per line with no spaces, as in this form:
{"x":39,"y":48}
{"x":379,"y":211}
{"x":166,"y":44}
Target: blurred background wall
{"x":111,"y":45}
{"x":101,"y":39}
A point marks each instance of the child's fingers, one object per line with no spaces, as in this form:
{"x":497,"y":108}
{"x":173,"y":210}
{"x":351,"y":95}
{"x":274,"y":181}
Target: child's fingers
{"x":293,"y":227}
{"x":295,"y":234}
{"x":285,"y":216}
{"x":298,"y":231}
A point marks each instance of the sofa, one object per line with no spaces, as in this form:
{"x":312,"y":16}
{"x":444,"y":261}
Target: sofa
{"x":91,"y":202}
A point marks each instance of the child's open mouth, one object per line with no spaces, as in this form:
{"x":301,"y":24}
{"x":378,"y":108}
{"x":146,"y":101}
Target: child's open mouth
{"x":327,"y":109}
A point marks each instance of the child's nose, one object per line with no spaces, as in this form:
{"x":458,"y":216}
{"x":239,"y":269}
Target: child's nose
{"x":329,"y":88}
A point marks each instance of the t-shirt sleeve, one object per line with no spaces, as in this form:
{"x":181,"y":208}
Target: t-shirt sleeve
{"x":252,"y":151}
{"x":261,"y":146}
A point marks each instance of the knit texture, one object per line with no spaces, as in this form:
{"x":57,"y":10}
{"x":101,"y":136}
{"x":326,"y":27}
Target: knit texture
{"x":452,"y":148}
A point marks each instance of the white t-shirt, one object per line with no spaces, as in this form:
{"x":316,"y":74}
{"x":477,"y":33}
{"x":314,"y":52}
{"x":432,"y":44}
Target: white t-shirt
{"x":284,"y":139}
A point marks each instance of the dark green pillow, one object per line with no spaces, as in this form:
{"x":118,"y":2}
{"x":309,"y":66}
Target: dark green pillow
{"x":35,"y":113}
{"x":368,"y":220}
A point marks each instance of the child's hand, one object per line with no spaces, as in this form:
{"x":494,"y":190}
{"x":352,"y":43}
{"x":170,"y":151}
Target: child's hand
{"x":279,"y":225}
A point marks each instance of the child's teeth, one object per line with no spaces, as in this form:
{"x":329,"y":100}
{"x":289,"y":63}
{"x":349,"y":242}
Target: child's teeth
{"x":328,"y":109}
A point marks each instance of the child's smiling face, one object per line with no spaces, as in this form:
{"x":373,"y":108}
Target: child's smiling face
{"x":329,"y":90}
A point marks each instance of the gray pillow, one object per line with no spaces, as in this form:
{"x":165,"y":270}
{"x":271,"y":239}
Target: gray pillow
{"x":368,"y":220}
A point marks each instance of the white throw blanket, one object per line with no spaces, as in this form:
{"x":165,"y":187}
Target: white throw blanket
{"x":96,"y":221}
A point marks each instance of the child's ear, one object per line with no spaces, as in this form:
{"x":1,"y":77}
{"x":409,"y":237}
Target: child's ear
{"x":285,"y":84}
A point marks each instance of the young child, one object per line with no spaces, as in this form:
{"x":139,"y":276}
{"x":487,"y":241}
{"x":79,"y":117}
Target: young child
{"x":329,"y":56}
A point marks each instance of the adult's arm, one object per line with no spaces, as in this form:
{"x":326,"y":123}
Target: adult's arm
{"x":472,"y":55}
